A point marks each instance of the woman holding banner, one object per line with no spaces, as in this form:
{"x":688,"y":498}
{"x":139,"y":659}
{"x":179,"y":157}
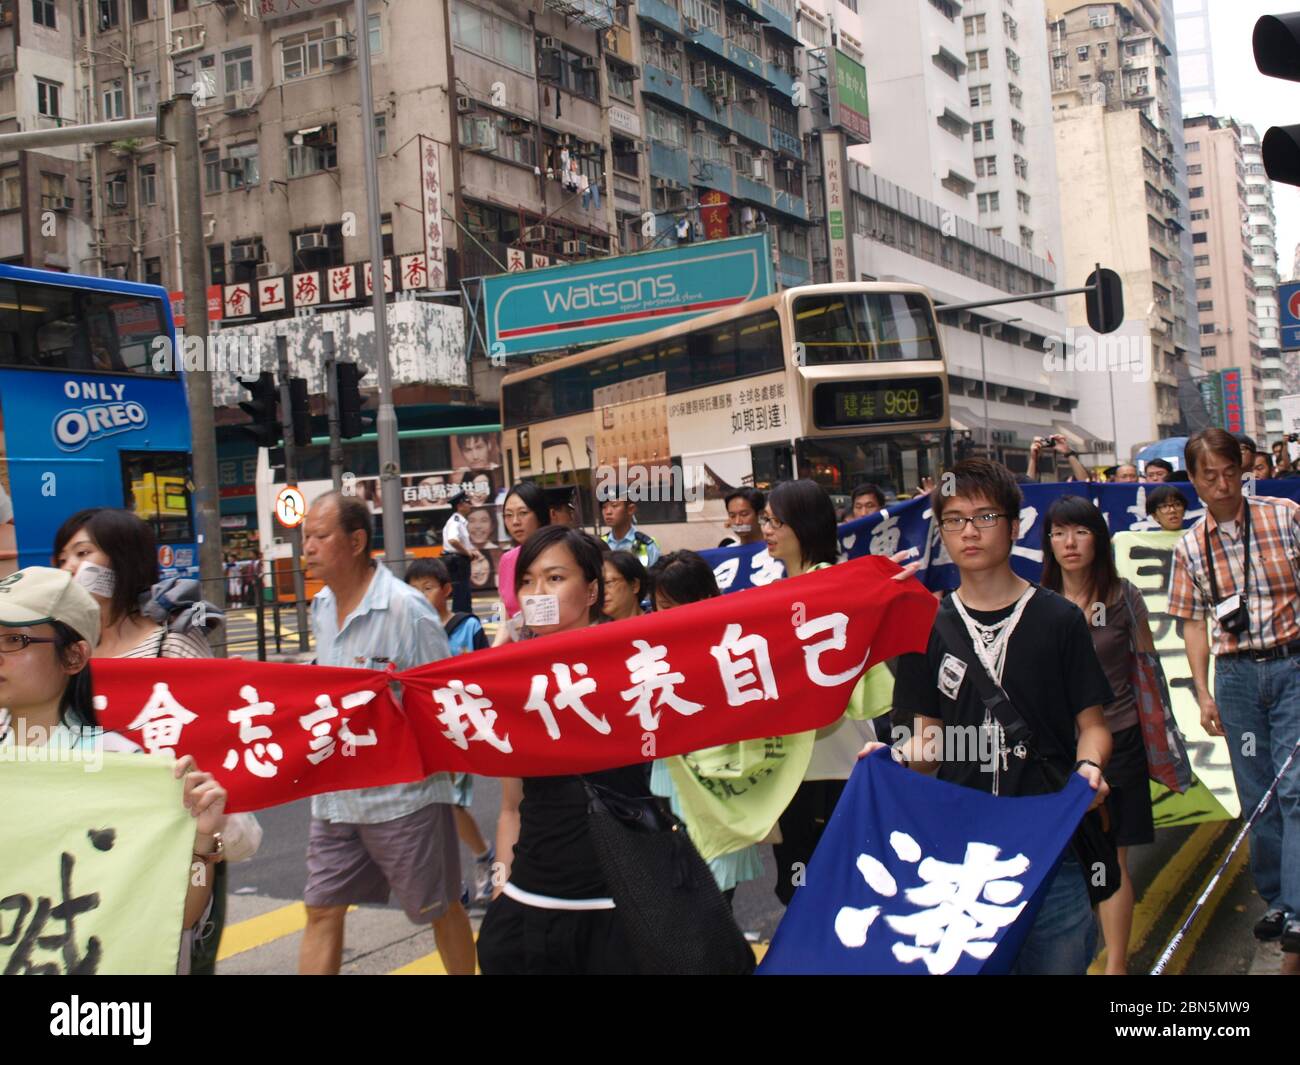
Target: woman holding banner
{"x":1078,"y":563}
{"x":48,"y":626}
{"x":552,"y":912}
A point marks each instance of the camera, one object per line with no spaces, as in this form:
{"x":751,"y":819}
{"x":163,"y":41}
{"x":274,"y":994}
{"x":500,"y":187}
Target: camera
{"x":1232,"y":615}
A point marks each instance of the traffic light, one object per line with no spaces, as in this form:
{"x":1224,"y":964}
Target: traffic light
{"x":300,"y":410}
{"x":347,"y":378}
{"x":1104,"y":301}
{"x":262,"y":409}
{"x":1276,"y":42}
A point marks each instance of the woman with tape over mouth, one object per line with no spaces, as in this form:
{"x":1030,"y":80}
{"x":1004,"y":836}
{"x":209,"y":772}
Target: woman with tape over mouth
{"x":552,"y":912}
{"x":112,"y":554}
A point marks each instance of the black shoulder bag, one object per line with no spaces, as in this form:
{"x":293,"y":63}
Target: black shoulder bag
{"x":675,"y":918}
{"x":1092,"y":842}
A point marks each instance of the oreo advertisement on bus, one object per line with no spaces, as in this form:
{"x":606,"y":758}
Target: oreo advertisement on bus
{"x":600,"y":300}
{"x":72,"y":441}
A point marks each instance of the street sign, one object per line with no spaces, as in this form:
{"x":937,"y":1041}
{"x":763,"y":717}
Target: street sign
{"x":1288,"y":313}
{"x":290,"y":507}
{"x":1291,"y":414}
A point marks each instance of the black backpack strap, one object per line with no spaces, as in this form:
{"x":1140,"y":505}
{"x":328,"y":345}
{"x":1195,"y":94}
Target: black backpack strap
{"x":454,"y":622}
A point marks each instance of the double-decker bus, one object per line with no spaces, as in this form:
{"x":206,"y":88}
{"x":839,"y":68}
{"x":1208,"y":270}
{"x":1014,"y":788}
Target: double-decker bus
{"x":840,"y":383}
{"x":90,"y":415}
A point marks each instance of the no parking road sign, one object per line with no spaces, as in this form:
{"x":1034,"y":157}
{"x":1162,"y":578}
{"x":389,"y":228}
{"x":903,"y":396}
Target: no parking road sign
{"x":290,"y":507}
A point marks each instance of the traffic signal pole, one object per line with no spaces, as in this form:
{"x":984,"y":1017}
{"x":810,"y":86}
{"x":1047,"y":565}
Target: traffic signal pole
{"x":332,"y":398}
{"x":291,"y":478}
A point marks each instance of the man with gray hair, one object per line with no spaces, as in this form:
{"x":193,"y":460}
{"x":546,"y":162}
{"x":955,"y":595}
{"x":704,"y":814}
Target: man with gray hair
{"x":400,"y":839}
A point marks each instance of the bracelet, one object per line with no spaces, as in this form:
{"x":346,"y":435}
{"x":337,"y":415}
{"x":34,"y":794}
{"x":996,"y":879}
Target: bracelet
{"x":1087,"y":761}
{"x":1071,"y":454}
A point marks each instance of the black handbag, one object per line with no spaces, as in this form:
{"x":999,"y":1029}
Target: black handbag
{"x":675,"y":918}
{"x":1092,"y":842}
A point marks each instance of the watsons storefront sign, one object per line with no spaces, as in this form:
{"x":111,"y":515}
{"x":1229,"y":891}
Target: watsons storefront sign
{"x":104,"y":412}
{"x":595,"y":302}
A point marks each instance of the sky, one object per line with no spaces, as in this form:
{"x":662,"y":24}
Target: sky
{"x":1245,"y":94}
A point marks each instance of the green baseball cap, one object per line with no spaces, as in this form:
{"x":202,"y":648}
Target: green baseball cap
{"x":38,"y":594}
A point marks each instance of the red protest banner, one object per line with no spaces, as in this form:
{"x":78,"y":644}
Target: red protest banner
{"x":765,"y":662}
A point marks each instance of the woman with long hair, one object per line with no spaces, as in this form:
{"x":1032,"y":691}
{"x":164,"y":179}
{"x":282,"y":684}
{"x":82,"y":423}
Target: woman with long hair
{"x":525,"y":510}
{"x":552,"y":912}
{"x":1078,"y":563}
{"x":800,"y":529}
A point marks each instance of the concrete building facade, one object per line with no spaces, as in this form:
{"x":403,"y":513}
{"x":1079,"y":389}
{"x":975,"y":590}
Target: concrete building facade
{"x":1262,"y":222}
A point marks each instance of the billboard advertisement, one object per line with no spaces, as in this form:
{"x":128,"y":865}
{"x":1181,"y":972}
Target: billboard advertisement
{"x":603,"y":300}
{"x":849,"y":108}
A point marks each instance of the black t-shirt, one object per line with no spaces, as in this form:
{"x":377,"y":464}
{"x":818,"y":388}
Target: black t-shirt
{"x":1051,"y":673}
{"x":554,"y":855}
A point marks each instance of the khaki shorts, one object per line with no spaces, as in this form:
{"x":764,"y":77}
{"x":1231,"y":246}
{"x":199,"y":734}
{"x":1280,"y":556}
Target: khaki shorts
{"x":415,"y":857}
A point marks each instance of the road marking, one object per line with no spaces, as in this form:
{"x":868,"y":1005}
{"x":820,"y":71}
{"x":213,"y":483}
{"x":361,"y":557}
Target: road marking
{"x":1160,"y":892}
{"x":263,"y":929}
{"x":1187,"y":948}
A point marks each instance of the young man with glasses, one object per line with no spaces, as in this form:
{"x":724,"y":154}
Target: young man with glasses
{"x":1239,"y":565}
{"x":1036,"y":644}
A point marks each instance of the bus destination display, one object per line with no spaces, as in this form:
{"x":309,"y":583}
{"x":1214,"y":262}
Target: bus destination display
{"x":838,"y":404}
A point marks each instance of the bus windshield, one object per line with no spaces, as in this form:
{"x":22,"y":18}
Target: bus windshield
{"x":839,"y":327}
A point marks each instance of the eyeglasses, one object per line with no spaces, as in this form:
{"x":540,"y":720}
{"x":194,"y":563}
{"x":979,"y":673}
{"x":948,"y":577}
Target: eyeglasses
{"x":1079,"y":533}
{"x":1171,"y":506}
{"x":16,"y":641}
{"x":980,"y":521}
{"x":769,"y":522}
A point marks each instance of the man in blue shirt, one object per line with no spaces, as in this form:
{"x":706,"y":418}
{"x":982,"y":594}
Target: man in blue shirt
{"x":368,"y":843}
{"x":619,"y":513}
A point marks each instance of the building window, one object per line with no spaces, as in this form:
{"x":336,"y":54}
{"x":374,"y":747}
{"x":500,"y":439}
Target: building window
{"x":571,"y":70}
{"x":1022,"y":201}
{"x":953,"y":124}
{"x":1204,"y":282}
{"x":1021,"y":165}
{"x":11,"y":197}
{"x":1196,"y":192}
{"x":708,"y":13}
{"x":43,"y":13}
{"x":139,"y":10}
{"x":946,"y":8}
{"x":314,"y":150}
{"x":115,"y":189}
{"x":810,"y":31}
{"x":978,"y":60}
{"x":216,"y":264}
{"x":986,"y":166}
{"x":988,"y":202}
{"x":505,"y":137}
{"x":1198,"y":216}
{"x":109,"y":16}
{"x":1026,"y":238}
{"x":246,"y":171}
{"x":148,"y":185}
{"x":1202,"y":260}
{"x":300,"y":54}
{"x":620,"y":81}
{"x":239,"y":68}
{"x":47,"y":98}
{"x":974,"y":24}
{"x":1082,"y":53}
{"x":665,"y":127}
{"x":153,"y":272}
{"x":1207,"y":327}
{"x":664,"y":53}
{"x":144,"y":102}
{"x":981,"y":95}
{"x":1194,"y":146}
{"x":212,"y":171}
{"x":982,"y":131}
{"x":1205,"y":305}
{"x":1017,"y":97}
{"x":492,"y":36}
{"x":1017,"y":131}
{"x":1209,"y":353}
{"x":376,"y":34}
{"x":114,"y":100}
{"x":785,"y":120}
{"x":53,"y":189}
{"x":322,"y":250}
{"x":381,"y":133}
{"x":1013,"y":62}
{"x":1193,"y":169}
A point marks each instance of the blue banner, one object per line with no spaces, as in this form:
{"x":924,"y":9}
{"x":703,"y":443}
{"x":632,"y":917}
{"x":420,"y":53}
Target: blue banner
{"x":916,"y":876}
{"x":606,"y":299}
{"x":907,"y":525}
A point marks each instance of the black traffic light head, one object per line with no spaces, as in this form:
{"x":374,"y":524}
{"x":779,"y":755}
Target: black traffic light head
{"x":1104,"y":300}
{"x":1276,"y":42}
{"x":261,"y":409}
{"x":348,"y":390}
{"x":300,"y":408}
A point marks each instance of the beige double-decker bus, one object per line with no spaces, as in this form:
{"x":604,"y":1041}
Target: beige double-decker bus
{"x":841,"y":383}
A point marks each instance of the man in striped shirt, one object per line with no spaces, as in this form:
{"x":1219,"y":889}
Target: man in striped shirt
{"x":368,"y":843}
{"x":1239,"y":567}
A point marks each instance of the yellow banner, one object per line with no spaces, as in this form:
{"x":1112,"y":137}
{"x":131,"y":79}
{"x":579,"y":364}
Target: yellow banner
{"x":1145,"y":559}
{"x":96,"y":864}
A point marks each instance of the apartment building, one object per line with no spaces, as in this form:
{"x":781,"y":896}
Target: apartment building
{"x":1262,"y":223}
{"x":1121,"y":167}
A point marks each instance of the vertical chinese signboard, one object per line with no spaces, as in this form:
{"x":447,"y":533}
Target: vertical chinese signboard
{"x":431,"y":198}
{"x":837,"y":237}
{"x":1234,"y":414}
{"x":1212,"y":395}
{"x":849,"y":97}
{"x":715,"y":214}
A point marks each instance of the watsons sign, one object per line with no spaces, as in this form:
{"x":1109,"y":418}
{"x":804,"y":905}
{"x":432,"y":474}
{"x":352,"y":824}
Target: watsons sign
{"x":594,"y":302}
{"x":104,"y":413}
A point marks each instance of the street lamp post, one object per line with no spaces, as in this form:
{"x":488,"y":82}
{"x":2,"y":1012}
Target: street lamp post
{"x":984,"y":384}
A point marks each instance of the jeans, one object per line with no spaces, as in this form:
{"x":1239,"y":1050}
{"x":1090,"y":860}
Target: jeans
{"x":1259,"y":705}
{"x":1063,"y":939}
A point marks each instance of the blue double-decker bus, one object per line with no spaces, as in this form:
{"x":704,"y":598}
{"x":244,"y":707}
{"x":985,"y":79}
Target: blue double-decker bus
{"x":92,"y":413}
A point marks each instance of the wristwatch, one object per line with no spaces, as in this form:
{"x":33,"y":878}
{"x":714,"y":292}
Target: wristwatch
{"x":1087,"y":761}
{"x":218,"y":853}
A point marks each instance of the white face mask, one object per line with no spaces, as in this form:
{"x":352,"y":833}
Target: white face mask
{"x":541,"y":610}
{"x":742,"y":529}
{"x":97,"y":580}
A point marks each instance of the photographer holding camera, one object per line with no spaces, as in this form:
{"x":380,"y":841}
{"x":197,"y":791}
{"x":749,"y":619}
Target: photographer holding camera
{"x":1058,"y":444}
{"x":1240,"y":566}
